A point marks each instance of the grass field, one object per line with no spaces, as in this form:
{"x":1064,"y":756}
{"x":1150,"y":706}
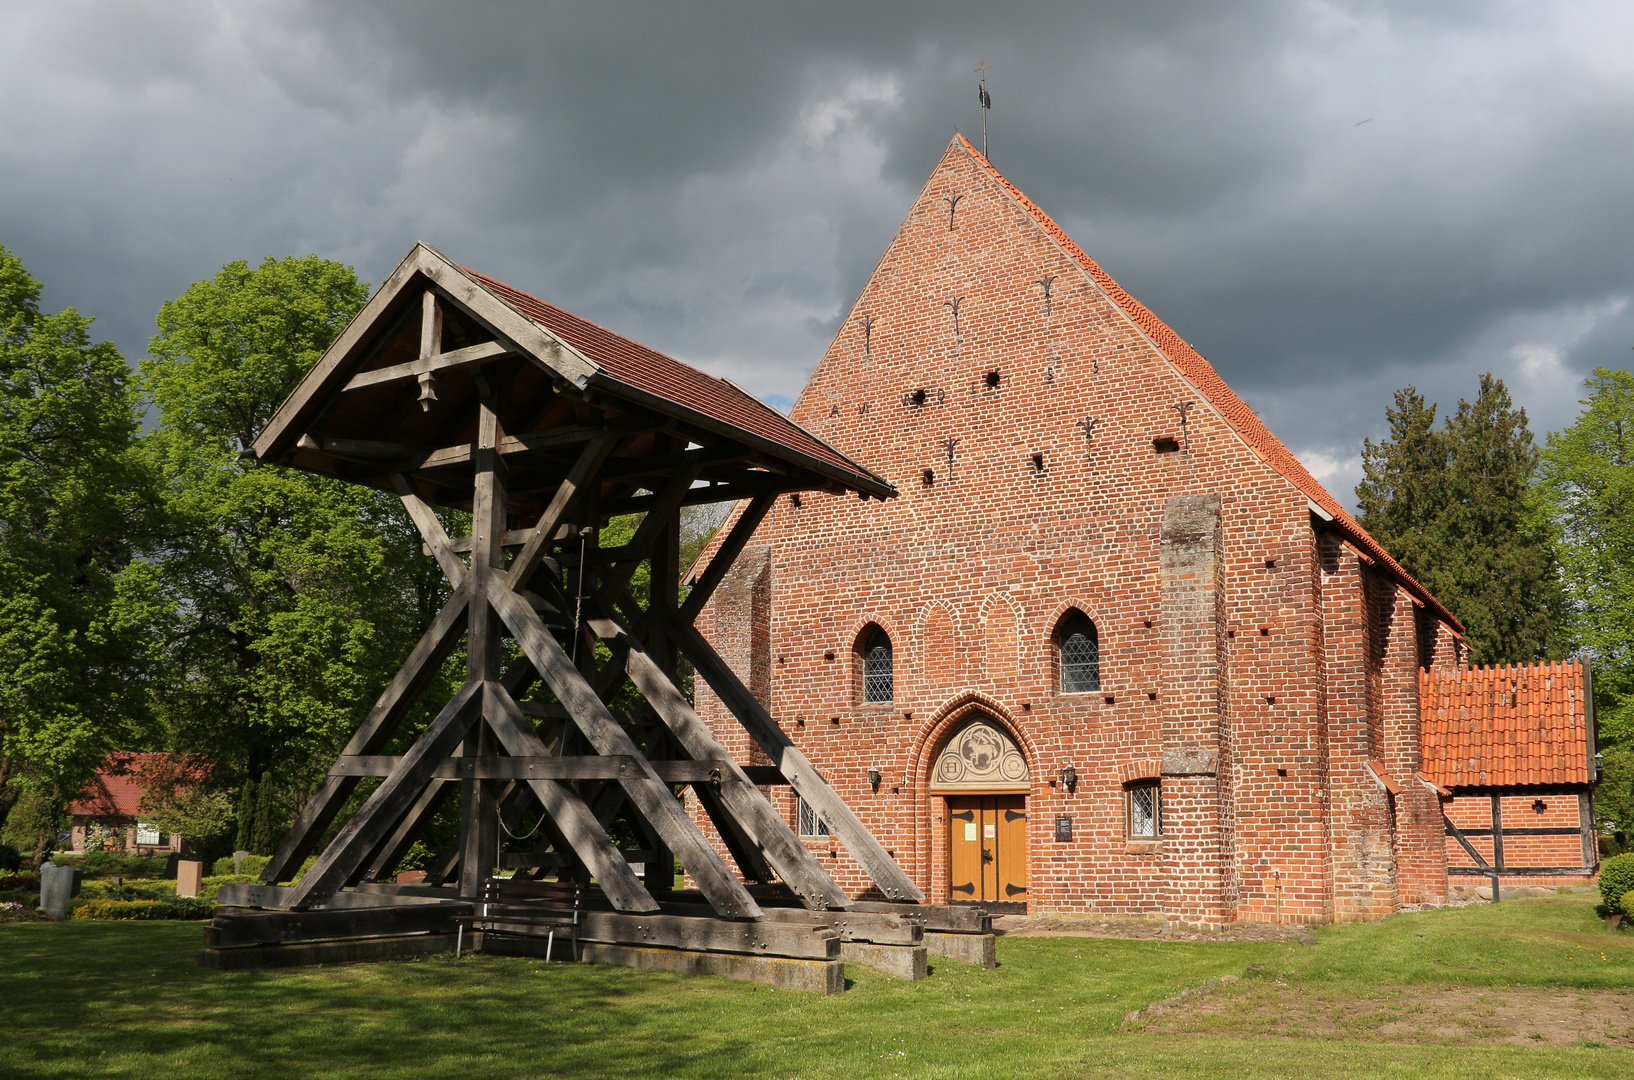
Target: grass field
{"x":84,"y":999}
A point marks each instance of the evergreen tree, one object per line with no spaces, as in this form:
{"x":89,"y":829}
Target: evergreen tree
{"x":1456,"y":509}
{"x":262,"y":840}
{"x":246,"y":818}
{"x":1587,"y":476}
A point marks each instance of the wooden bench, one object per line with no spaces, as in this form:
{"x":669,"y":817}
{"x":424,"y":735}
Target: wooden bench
{"x":531,"y":906}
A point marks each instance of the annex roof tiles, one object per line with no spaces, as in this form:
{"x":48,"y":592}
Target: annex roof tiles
{"x":1201,"y":374}
{"x":1505,"y":726}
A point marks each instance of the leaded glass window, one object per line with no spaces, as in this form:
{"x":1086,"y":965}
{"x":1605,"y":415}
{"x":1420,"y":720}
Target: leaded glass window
{"x":810,"y":823}
{"x":1080,"y":656}
{"x":876,"y":669}
{"x":1145,"y":812}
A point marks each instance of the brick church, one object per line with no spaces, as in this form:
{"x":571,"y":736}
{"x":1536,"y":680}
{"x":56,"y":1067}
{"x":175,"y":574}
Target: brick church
{"x":1112,"y":648}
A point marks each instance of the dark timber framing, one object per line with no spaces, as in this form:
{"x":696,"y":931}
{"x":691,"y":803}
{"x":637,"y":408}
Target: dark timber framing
{"x":445,"y":393}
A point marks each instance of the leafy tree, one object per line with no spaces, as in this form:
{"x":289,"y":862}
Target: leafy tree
{"x":295,"y":596}
{"x":76,"y":504}
{"x":1587,"y":475}
{"x":1456,"y":508}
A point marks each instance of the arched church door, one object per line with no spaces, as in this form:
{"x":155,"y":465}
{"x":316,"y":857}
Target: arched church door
{"x":984,"y":777}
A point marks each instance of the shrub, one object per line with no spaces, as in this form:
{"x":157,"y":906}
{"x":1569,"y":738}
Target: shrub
{"x":118,"y":864}
{"x":12,"y":911}
{"x":128,"y":890}
{"x":11,"y":860}
{"x":177,"y":907}
{"x":1628,"y":903}
{"x":249,"y":866}
{"x":21,"y":881}
{"x":1616,"y":878}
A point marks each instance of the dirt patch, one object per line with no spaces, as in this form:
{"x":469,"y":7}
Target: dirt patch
{"x":1441,"y":1015}
{"x":1144,"y":929}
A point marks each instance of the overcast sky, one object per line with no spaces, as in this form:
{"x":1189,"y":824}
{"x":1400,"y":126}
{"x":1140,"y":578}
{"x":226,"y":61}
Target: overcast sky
{"x":1330,"y":200}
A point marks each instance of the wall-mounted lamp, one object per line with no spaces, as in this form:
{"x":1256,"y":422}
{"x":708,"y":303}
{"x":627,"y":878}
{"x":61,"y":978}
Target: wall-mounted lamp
{"x":873,"y":779}
{"x":1069,"y":777}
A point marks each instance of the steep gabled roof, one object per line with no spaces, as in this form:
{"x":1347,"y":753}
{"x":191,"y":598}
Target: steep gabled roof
{"x":636,"y":366}
{"x":1201,"y":374}
{"x":330,"y":414}
{"x":1506,"y":726}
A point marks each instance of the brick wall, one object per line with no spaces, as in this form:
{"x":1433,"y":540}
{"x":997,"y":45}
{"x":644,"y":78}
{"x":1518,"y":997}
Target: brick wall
{"x":1050,"y":458}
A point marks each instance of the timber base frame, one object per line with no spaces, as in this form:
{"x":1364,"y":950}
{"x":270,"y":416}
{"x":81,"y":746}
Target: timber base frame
{"x":457,"y":393}
{"x":794,"y":948}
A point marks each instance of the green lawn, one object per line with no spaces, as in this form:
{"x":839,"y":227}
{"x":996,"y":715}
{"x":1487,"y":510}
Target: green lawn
{"x":125,"y":999}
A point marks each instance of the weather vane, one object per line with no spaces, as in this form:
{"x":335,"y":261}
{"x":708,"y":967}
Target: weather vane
{"x":986,"y":100}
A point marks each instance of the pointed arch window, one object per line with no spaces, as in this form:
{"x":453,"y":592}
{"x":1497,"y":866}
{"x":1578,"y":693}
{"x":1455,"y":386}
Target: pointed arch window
{"x":877,"y":676}
{"x":1078,"y":647}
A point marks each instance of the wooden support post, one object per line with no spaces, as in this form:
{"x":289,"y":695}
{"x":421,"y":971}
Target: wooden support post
{"x":650,"y":796}
{"x":892,"y":880}
{"x":479,"y":825}
{"x":400,"y":694}
{"x":373,"y":822}
{"x":1497,"y":833}
{"x":1585,"y":824}
{"x":740,"y":799}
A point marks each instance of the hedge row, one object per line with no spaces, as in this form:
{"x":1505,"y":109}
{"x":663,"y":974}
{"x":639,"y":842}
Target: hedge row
{"x":181,"y":907}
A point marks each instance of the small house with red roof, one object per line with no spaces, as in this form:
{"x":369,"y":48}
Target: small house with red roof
{"x":1113,"y":649}
{"x":1511,"y":749}
{"x":110,"y":808}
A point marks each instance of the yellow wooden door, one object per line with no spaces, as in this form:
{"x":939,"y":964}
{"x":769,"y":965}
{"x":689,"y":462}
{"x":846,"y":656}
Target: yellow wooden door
{"x":987,"y":848}
{"x":1010,"y":870}
{"x":965,"y":847}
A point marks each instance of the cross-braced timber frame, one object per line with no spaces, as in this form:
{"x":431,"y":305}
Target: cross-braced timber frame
{"x":452,"y":390}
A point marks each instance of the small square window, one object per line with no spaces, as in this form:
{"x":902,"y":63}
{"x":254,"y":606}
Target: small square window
{"x":810,"y":823}
{"x":148,"y":835}
{"x":1144,"y":812}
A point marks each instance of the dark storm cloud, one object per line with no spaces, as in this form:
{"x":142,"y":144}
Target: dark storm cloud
{"x":1328,"y":199}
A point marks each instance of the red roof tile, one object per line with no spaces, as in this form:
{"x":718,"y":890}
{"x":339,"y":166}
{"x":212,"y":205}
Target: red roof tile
{"x":116,"y":789}
{"x":1505,"y":726}
{"x":1202,"y":375}
{"x":667,"y":378}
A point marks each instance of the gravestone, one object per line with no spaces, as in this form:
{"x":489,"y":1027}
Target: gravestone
{"x":189,"y":876}
{"x":238,"y":861}
{"x":58,"y":885}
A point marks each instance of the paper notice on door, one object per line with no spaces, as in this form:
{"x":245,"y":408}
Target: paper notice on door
{"x":970,"y":831}
{"x":989,"y":830}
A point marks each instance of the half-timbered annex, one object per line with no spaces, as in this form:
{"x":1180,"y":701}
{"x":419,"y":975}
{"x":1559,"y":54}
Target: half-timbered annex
{"x":456,"y":392}
{"x":1113,"y":649}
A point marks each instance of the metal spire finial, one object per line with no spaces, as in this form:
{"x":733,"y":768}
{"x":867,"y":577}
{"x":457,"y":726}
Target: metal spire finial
{"x":986,"y":100}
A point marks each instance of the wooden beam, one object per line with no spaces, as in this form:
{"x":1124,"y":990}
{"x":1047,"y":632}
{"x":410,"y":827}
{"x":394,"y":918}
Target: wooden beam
{"x":544,"y":530}
{"x":386,"y":806}
{"x":650,"y":795}
{"x":715,"y":935}
{"x":271,"y":927}
{"x":555,"y":438}
{"x":431,"y":531}
{"x":764,"y":826}
{"x":736,"y":491}
{"x":581,"y":767}
{"x":892,"y":880}
{"x":422,"y":665}
{"x":573,"y":819}
{"x":744,"y":528}
{"x":395,"y":846}
{"x":471,"y":354}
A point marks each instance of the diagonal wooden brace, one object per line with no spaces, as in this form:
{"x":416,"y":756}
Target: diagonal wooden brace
{"x":755,"y":816}
{"x":615,"y":577}
{"x":431,"y":530}
{"x":400,"y":694}
{"x":573,"y":819}
{"x":649,"y":795}
{"x":892,"y":880}
{"x":527,"y":560}
{"x":726,"y":554}
{"x":373,"y":822}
